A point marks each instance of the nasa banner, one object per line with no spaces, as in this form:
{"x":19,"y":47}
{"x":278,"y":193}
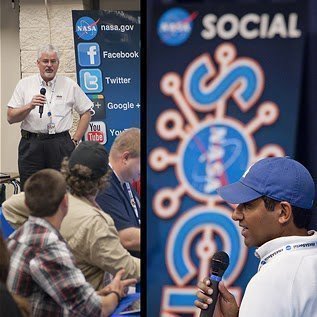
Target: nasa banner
{"x":107,"y":48}
{"x":223,"y":89}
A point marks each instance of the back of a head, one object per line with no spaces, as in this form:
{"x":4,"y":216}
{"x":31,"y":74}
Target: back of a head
{"x":86,"y":169}
{"x":129,"y":140}
{"x":91,"y":155}
{"x":44,"y":192}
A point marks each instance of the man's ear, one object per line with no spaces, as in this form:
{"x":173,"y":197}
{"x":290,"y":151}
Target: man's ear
{"x":125,"y":156}
{"x":285,"y":212}
{"x":64,"y":203}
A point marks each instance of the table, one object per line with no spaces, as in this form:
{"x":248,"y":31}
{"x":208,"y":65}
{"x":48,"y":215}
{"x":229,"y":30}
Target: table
{"x":126,"y":304}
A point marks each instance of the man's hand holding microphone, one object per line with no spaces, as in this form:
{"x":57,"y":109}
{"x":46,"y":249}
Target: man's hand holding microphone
{"x":226,"y":304}
{"x":214,"y":299}
{"x":38,"y":100}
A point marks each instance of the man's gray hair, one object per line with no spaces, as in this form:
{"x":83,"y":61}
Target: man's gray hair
{"x":47,"y":48}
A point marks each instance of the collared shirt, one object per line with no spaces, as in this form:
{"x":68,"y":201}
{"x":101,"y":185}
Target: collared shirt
{"x":42,"y":269}
{"x":62,"y":95}
{"x":286,"y":284}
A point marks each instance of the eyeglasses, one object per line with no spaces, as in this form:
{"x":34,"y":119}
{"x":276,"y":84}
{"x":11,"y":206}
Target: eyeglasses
{"x":47,"y":61}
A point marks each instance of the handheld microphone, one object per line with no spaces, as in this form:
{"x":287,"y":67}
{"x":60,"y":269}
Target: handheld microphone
{"x":42,"y":92}
{"x":219,"y":263}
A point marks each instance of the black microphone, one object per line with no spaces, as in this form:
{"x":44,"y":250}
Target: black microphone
{"x":219,"y":263}
{"x":42,"y":92}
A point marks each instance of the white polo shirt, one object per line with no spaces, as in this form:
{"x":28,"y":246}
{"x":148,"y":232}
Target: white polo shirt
{"x":62,"y":95}
{"x":286,"y":285}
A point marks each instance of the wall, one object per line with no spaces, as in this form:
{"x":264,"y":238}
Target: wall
{"x":10,"y":74}
{"x":40,"y":23}
{"x":23,"y":29}
{"x":48,"y":22}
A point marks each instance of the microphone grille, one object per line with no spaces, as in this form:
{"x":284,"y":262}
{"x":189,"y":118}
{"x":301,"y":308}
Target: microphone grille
{"x":43,"y":91}
{"x":219,"y":263}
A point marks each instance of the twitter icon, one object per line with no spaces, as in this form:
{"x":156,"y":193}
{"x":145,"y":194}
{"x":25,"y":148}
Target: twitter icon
{"x":91,"y":80}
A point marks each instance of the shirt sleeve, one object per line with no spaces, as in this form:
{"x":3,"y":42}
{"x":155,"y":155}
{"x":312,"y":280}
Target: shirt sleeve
{"x":106,"y":251}
{"x":17,"y":99}
{"x":115,"y":207}
{"x":15,"y":211}
{"x":82,"y":102}
{"x":54,"y":271}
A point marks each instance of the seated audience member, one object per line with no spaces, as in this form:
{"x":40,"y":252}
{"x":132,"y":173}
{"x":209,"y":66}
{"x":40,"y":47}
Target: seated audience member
{"x":89,"y":232}
{"x":119,"y":199}
{"x":42,"y":268}
{"x":10,"y":306}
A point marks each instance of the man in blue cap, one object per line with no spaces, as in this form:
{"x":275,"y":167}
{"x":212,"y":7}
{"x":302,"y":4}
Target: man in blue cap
{"x":274,"y":200}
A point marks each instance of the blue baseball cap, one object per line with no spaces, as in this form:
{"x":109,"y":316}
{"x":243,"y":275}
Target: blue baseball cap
{"x":280,"y":178}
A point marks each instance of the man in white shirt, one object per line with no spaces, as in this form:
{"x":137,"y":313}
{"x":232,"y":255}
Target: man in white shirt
{"x":46,"y":117}
{"x":274,"y":199}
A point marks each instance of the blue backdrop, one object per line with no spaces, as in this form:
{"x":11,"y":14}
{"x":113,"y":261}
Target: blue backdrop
{"x":224,"y":89}
{"x":107,"y":48}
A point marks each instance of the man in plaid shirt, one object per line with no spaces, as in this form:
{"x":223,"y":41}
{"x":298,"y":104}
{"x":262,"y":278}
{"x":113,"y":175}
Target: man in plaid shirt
{"x":42,"y":268}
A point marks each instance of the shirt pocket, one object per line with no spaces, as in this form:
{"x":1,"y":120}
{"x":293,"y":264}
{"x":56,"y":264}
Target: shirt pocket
{"x":61,"y":108}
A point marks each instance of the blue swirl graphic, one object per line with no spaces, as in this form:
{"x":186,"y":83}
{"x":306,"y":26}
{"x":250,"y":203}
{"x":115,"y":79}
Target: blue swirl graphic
{"x":207,"y":98}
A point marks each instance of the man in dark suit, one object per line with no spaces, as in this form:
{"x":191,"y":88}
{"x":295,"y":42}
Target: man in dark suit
{"x":119,"y":199}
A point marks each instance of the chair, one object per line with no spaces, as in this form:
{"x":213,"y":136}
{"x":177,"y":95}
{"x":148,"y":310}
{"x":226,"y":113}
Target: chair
{"x":11,"y":178}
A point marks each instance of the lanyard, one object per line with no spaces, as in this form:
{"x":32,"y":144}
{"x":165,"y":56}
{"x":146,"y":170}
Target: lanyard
{"x":288,"y":248}
{"x":132,"y":201}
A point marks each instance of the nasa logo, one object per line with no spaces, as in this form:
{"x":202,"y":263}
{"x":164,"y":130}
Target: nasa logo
{"x":86,"y":28}
{"x":175,"y":26}
{"x":288,"y":247}
{"x":220,"y":153}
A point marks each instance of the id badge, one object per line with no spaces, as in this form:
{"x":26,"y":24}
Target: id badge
{"x":51,"y":128}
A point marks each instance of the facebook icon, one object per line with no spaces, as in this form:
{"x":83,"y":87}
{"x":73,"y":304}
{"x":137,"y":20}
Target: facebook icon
{"x":88,"y":54}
